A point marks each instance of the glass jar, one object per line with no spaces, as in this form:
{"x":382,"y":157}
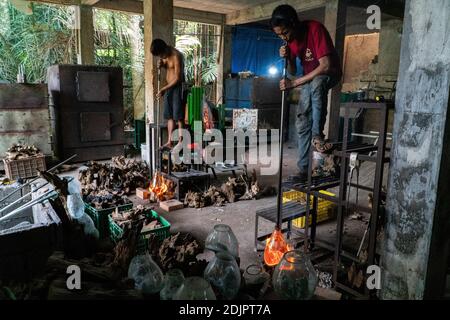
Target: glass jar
{"x":222,"y":238}
{"x":146,"y":274}
{"x":195,"y":288}
{"x":173,"y":280}
{"x":224,"y":275}
{"x":294,"y":277}
{"x":255,"y":278}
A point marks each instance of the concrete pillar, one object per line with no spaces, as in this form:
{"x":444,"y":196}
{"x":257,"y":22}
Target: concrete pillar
{"x":416,"y":245}
{"x":158,"y":23}
{"x":335,"y":19}
{"x":85,"y":35}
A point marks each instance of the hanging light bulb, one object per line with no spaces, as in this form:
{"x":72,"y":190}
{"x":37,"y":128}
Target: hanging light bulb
{"x":273,"y":70}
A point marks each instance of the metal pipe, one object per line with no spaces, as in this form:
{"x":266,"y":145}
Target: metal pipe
{"x":42,"y":198}
{"x":157,"y":150}
{"x":69,"y":179}
{"x":280,"y":172}
{"x":30,"y":182}
{"x":23,"y":197}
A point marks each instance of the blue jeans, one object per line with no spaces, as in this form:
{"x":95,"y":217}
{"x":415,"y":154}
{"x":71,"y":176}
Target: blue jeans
{"x":311,"y":115}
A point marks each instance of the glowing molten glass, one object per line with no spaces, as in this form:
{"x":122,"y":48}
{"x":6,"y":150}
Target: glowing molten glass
{"x":276,"y":246}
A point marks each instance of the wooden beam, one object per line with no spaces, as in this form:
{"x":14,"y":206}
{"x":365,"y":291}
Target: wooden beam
{"x":198,"y":16}
{"x":136,"y":7}
{"x":264,"y":11}
{"x":89,"y":2}
{"x":130,"y":6}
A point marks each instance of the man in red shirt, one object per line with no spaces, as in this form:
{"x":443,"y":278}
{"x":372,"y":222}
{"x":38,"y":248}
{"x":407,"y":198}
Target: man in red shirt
{"x":311,"y":43}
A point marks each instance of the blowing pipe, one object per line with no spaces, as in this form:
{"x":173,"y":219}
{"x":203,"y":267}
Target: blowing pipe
{"x":280,"y":170}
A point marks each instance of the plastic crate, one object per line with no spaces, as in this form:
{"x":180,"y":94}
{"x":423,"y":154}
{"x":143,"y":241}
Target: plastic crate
{"x":325,"y":208}
{"x":161,"y":233}
{"x":100,"y":217}
{"x":24,"y":168}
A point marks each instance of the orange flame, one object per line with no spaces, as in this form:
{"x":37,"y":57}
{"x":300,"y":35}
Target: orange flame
{"x":158,"y":186}
{"x":276,"y":246}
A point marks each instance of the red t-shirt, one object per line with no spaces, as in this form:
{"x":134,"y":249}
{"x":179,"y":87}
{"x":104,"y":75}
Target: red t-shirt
{"x":316,"y":43}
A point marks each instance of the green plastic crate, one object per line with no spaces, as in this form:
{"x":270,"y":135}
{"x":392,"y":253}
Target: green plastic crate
{"x":100,"y":217}
{"x":162,"y":233}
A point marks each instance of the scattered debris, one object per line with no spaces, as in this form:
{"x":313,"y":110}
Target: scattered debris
{"x":21,"y":151}
{"x":355,"y":276}
{"x":104,"y":199}
{"x":242,"y":188}
{"x":356,"y":216}
{"x":129,"y":217}
{"x":325,"y":279}
{"x":125,"y":249}
{"x":328,"y":168}
{"x":178,"y":251}
{"x":121,"y":175}
{"x":213,"y":196}
{"x":363,"y":256}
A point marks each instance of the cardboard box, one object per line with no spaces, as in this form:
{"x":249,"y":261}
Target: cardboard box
{"x":171,"y":205}
{"x":143,"y":194}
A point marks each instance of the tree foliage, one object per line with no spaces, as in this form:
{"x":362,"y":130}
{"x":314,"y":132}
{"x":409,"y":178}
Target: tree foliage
{"x":31,"y":41}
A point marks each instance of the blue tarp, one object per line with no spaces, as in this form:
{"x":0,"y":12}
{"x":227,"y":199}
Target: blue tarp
{"x":256,"y":50}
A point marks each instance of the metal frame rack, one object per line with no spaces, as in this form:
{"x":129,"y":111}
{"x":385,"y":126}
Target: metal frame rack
{"x":345,"y":151}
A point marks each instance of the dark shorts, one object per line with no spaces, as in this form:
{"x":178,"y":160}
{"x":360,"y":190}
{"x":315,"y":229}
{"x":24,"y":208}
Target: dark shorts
{"x":173,"y":103}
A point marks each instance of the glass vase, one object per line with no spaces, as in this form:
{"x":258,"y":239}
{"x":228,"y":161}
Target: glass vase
{"x":195,"y":288}
{"x":173,"y":280}
{"x":255,"y":278}
{"x":294,"y":277}
{"x":146,"y":274}
{"x":224,"y":275}
{"x":222,"y":238}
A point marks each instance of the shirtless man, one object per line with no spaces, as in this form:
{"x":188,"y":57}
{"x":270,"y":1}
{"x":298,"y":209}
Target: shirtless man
{"x":172,"y":60}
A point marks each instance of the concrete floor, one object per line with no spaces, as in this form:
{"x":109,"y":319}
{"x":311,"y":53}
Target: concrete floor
{"x":240,"y":216}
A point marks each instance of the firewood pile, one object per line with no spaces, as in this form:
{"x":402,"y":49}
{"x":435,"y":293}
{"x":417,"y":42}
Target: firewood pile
{"x":178,"y":251}
{"x":121,"y":175}
{"x":242,"y":188}
{"x":104,"y":199}
{"x":98,"y":281}
{"x":20,"y":151}
{"x":126,"y":218}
